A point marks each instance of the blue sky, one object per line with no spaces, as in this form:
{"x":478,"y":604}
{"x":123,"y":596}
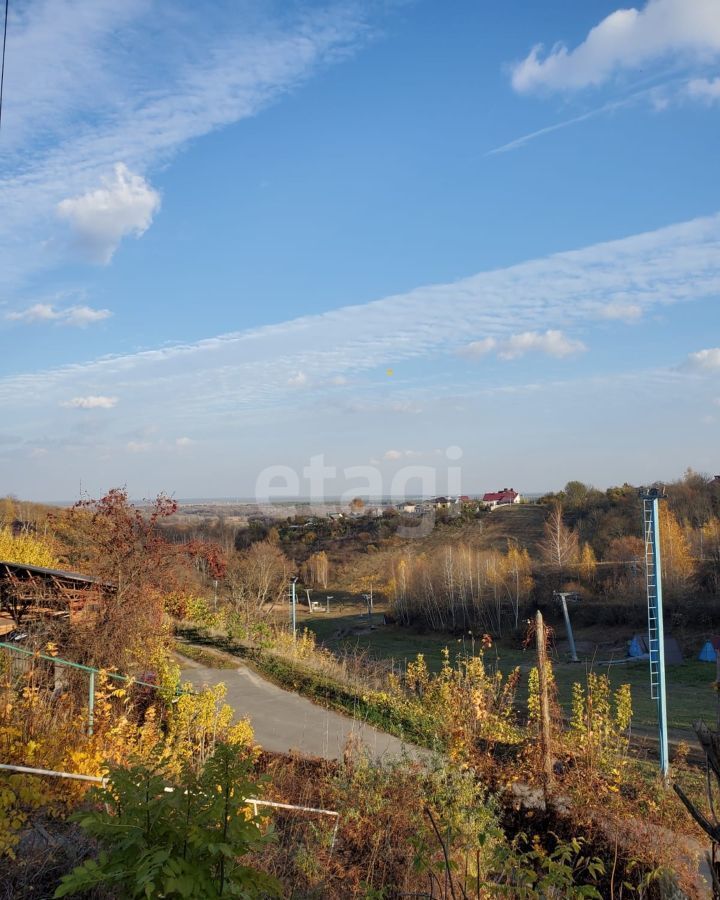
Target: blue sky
{"x":222,"y":225}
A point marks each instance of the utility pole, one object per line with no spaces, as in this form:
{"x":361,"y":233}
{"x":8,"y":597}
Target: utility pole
{"x":293,"y":605}
{"x":656,"y":635}
{"x":564,"y":596}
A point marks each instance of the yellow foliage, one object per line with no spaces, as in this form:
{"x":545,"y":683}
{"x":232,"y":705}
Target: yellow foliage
{"x":588,"y":562}
{"x":38,"y":731}
{"x":677,"y":562}
{"x":27,"y":549}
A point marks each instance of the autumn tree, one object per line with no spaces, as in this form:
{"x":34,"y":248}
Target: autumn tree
{"x":518,"y":581}
{"x":459,"y":586}
{"x":677,"y":562}
{"x":257,"y":578}
{"x":560,"y":546}
{"x":318,"y":569}
{"x":27,"y":549}
{"x":7,"y":511}
{"x":122,"y":545}
{"x":588,"y":563}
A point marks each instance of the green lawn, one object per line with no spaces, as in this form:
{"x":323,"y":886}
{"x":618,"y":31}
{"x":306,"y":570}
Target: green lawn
{"x":690,"y":686}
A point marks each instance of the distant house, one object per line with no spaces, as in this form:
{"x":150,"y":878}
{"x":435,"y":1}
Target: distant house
{"x":409,"y":508}
{"x":441,"y":503}
{"x":463,"y":498}
{"x":505,"y":497}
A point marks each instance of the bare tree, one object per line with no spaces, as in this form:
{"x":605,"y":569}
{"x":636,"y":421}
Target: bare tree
{"x":560,"y":547}
{"x":257,"y":578}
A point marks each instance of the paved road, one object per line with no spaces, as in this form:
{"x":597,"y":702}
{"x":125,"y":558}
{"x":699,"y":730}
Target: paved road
{"x":285,"y":721}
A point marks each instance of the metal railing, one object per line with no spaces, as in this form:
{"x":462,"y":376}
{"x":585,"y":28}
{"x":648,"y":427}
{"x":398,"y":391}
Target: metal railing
{"x":90,"y":670}
{"x":254,"y":802}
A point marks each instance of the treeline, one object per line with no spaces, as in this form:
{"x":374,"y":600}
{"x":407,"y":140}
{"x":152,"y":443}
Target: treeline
{"x":592,"y":543}
{"x":459,"y":586}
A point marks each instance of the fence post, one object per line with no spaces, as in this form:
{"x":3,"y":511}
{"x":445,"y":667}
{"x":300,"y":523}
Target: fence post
{"x":545,"y":732}
{"x":91,"y":702}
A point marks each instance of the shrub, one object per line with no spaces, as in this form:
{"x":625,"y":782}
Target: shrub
{"x":187,"y":842}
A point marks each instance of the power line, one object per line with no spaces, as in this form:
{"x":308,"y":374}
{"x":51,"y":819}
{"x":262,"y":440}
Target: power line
{"x":2,"y":68}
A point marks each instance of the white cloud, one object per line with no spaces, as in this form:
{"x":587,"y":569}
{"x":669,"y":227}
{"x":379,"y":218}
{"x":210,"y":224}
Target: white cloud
{"x":706,"y":89}
{"x":551,"y":342}
{"x":138,"y":446}
{"x":705,"y":360}
{"x":124,"y":205}
{"x":476,"y":349}
{"x":93,"y":401}
{"x":393,"y":455}
{"x":626,"y":39}
{"x":626,"y":312}
{"x":73,"y":315}
{"x":184,"y":442}
{"x":299,"y":379}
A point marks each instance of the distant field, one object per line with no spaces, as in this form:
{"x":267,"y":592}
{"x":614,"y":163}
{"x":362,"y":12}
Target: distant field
{"x":690,"y":686}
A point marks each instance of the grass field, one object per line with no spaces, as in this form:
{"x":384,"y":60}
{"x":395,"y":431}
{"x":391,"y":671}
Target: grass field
{"x":691,"y":692}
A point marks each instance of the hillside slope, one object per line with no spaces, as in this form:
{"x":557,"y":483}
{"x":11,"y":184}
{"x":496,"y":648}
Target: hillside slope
{"x":521,"y":524}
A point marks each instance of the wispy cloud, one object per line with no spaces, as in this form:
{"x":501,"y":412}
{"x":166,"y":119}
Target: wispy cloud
{"x":92,"y":401}
{"x":658,"y":95}
{"x":79,"y":316}
{"x":705,"y":89}
{"x":624,"y":312}
{"x":558,"y":126}
{"x":253,"y":374}
{"x":139,"y":446}
{"x":72,"y":64}
{"x":625,"y":40}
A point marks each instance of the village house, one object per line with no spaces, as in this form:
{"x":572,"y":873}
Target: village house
{"x":505,"y":497}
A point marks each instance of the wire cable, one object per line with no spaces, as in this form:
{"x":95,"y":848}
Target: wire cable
{"x":2,"y":68}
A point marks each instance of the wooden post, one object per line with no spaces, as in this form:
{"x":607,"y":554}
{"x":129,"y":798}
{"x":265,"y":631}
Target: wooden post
{"x":545,"y":733}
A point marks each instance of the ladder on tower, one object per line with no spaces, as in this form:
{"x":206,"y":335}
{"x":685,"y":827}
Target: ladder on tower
{"x":652,"y":576}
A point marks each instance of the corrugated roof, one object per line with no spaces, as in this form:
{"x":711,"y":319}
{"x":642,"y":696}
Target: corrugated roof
{"x":57,"y":573}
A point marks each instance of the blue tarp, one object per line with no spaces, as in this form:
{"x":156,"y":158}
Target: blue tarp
{"x":638,"y":646}
{"x":708,"y":652}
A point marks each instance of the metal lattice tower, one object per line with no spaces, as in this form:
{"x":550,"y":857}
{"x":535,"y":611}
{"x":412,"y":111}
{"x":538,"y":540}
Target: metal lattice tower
{"x":656,"y":637}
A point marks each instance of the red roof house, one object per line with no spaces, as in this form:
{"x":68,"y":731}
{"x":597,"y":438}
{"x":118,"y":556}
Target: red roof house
{"x":505,"y":497}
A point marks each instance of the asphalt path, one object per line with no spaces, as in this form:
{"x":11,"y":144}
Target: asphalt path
{"x":284,"y":721}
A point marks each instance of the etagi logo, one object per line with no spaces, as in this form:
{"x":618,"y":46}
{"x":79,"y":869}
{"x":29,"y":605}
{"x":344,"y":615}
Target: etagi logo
{"x":280,"y":485}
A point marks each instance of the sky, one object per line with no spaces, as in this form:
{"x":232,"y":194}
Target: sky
{"x":255,"y":248}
